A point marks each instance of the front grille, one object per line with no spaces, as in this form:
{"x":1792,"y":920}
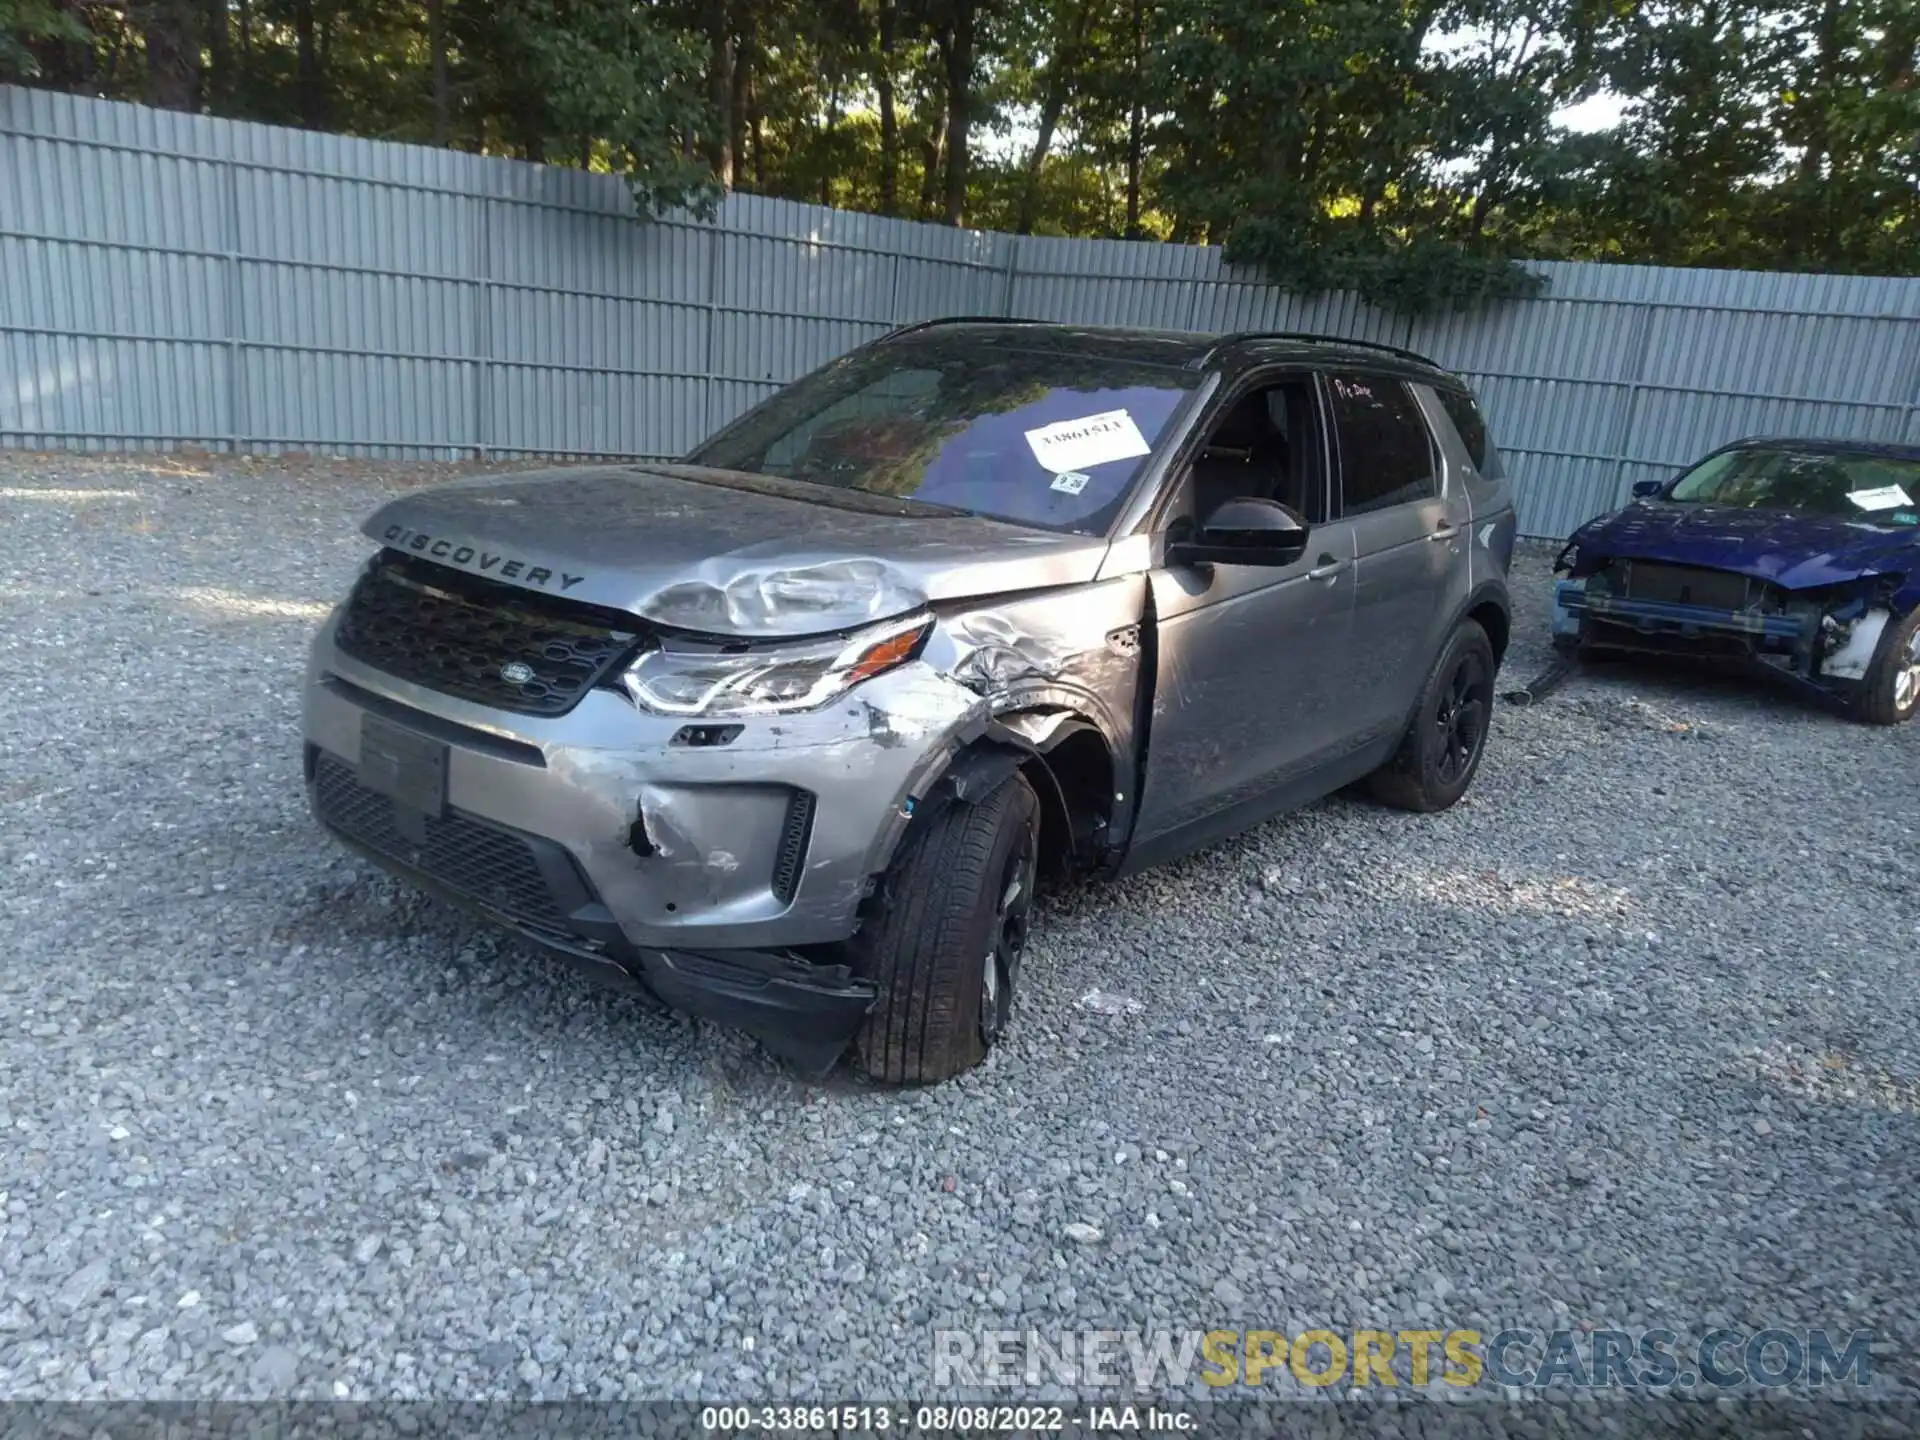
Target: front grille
{"x":792,"y":852}
{"x":456,"y":634}
{"x":1691,"y":585}
{"x":495,"y":868}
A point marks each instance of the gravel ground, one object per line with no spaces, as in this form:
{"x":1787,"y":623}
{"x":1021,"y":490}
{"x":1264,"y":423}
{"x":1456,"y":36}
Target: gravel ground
{"x":1626,"y":1038}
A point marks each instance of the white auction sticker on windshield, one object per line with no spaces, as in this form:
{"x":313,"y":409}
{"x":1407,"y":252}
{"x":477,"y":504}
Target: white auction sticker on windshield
{"x":1883,"y":497}
{"x":1091,"y":440}
{"x":1071,"y":481}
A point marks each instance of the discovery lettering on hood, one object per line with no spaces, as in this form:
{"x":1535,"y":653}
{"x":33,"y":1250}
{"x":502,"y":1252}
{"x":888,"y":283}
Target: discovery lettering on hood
{"x":479,"y":560}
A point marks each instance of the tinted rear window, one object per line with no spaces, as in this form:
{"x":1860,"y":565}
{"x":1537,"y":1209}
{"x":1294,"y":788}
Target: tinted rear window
{"x":1464,"y":411}
{"x":1386,"y":454}
{"x":1049,"y":438}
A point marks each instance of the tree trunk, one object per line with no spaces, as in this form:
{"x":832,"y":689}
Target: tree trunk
{"x":307,"y":67}
{"x":933,"y":153}
{"x":217,"y":87}
{"x":437,"y":48}
{"x":1900,"y":49}
{"x":1036,"y":161}
{"x":959,"y":65}
{"x":1820,"y":93}
{"x":1484,"y":197}
{"x":889,"y":120}
{"x":720,"y":91}
{"x":1316,"y":144}
{"x":171,"y":33}
{"x":1060,"y":75}
{"x":1136,"y":119}
{"x":759,"y":135}
{"x":737,"y":103}
{"x":1819,"y":162}
{"x":827,"y":132}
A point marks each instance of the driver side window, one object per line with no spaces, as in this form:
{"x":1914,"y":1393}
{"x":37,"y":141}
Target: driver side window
{"x":902,"y":394}
{"x":1266,"y":446}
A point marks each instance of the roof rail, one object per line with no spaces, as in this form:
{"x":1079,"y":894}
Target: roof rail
{"x":961,"y":320}
{"x":1241,"y":335}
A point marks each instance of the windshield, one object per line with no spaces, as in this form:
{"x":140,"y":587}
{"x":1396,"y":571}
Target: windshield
{"x":1047,"y":438}
{"x":1880,"y":489}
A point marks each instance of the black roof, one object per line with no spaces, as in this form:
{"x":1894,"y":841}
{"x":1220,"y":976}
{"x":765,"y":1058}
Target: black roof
{"x":1186,"y":348}
{"x":1829,"y":445}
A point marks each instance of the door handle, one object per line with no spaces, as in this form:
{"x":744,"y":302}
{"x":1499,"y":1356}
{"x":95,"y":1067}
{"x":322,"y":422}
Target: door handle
{"x":1327,"y":568}
{"x":1445,"y":532}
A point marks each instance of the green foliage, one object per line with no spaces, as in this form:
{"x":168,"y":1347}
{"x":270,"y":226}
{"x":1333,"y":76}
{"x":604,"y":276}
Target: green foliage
{"x":27,"y":23}
{"x":604,"y":78}
{"x":1406,"y":150}
{"x":1411,"y":274}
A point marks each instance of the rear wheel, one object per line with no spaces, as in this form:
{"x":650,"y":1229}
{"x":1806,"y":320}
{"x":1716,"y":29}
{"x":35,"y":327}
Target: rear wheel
{"x":1440,"y":754}
{"x":945,"y":942}
{"x":1891,"y":692}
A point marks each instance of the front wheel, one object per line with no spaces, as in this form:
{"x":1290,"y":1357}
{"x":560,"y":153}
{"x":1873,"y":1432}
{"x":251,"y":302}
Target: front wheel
{"x":1441,"y":752}
{"x":1891,"y":692}
{"x":946,"y":940}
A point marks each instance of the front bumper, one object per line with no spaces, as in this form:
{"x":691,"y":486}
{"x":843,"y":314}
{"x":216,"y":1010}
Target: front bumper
{"x":802,"y":1011}
{"x":686,"y":865}
{"x":1618,"y":622}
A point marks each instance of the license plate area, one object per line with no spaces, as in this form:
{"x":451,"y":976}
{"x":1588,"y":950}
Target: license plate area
{"x":407,"y":767}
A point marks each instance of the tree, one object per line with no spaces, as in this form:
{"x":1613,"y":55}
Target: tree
{"x":26,"y":26}
{"x":1298,"y":134}
{"x":1406,"y":149}
{"x":955,"y":27}
{"x":1677,"y":183}
{"x":1851,"y":107}
{"x":600,"y":75}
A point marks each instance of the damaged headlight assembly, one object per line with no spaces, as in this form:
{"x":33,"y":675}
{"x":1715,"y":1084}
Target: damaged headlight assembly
{"x":680,"y":676}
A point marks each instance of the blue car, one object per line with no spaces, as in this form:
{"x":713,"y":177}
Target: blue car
{"x":1801,"y":556}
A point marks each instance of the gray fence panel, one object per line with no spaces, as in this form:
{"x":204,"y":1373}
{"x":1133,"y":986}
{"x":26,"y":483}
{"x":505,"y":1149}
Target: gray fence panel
{"x":174,"y":280}
{"x":1554,"y":376}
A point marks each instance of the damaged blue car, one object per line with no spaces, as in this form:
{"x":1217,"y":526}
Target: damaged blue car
{"x":1800,"y":556}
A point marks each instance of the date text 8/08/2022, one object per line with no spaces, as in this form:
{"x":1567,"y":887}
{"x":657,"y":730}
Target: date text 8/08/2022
{"x":931,"y":1419}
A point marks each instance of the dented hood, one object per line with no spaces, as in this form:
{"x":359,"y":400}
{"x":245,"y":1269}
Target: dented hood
{"x":722,"y":552}
{"x":1797,"y":551}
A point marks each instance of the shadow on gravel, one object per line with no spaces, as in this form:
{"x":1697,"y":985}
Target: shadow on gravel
{"x":349,"y":925}
{"x":1678,"y":679}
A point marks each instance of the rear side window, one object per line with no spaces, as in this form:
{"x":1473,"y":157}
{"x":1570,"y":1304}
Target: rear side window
{"x":1465,"y":414}
{"x":1386,"y":455}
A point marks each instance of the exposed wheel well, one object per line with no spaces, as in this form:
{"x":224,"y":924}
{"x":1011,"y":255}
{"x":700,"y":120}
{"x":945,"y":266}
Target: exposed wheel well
{"x":1494,"y":621}
{"x":1074,"y":781}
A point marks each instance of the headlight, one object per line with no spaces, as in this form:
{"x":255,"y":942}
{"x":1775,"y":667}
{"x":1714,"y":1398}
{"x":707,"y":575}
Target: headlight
{"x":787,"y":599}
{"x":684,"y":678}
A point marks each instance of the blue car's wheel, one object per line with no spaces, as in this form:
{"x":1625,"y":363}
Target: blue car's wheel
{"x":1891,"y":692}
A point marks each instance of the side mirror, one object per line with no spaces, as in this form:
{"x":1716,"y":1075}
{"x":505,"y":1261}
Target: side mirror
{"x":1244,"y":532}
{"x":1647,"y":489}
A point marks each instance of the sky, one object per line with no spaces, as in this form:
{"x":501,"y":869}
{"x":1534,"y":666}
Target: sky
{"x":1600,"y":112}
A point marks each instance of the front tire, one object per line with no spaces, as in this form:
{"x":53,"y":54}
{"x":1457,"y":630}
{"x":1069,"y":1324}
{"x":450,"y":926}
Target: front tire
{"x":946,"y":938}
{"x":1891,"y":692}
{"x":1440,"y":754}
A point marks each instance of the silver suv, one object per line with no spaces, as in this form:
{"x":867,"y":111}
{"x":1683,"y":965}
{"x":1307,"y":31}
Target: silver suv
{"x":784,"y":735}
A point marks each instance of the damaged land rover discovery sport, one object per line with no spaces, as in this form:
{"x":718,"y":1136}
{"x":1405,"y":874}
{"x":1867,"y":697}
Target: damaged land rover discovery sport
{"x":784,"y":735}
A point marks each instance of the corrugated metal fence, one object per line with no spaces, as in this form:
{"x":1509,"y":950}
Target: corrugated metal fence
{"x":169,"y":280}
